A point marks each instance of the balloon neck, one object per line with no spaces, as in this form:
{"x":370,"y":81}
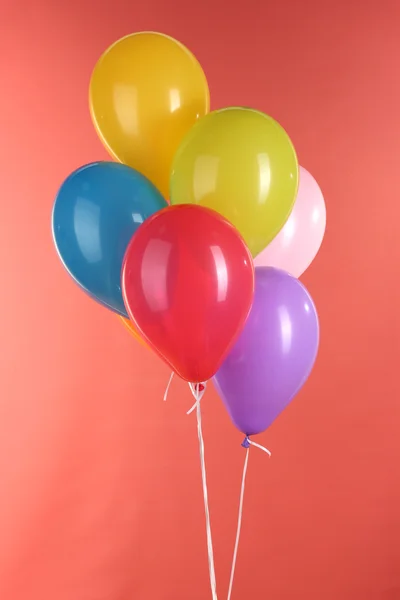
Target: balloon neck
{"x":246,"y":442}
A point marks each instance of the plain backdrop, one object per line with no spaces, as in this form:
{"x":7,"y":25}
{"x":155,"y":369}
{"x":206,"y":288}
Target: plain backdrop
{"x":100,"y":491}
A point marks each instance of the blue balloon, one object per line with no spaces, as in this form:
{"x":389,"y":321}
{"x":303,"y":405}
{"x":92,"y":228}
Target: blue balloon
{"x":96,"y":212}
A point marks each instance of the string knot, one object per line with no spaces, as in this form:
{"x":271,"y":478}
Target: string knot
{"x":197,"y":390}
{"x":247,"y":442}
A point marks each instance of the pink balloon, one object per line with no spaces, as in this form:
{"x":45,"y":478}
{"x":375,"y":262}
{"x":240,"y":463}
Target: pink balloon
{"x":297,"y":243}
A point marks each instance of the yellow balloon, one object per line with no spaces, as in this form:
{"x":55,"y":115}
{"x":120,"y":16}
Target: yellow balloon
{"x":241,"y":163}
{"x":127,"y":323}
{"x":147,"y":90}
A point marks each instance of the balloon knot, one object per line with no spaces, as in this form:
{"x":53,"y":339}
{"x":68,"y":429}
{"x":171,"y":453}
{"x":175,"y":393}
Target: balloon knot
{"x":246,"y":442}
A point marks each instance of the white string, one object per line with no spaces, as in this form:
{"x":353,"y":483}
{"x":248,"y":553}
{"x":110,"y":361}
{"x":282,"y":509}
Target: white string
{"x":247,"y":443}
{"x":263,"y":448}
{"x":168,"y":386}
{"x":193,"y":386}
{"x":198,"y":394}
{"x":239,"y":525}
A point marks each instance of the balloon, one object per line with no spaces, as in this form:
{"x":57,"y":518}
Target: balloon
{"x":147,"y":90}
{"x":188,"y":284}
{"x":273,"y":356}
{"x":97,"y":210}
{"x":298,"y":242}
{"x":129,"y":326}
{"x":241,"y":163}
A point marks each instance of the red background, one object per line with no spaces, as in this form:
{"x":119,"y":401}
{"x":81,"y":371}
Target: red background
{"x":100,"y":495}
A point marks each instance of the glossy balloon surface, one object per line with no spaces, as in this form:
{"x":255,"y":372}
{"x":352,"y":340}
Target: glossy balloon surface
{"x":188,"y":283}
{"x":241,"y":163}
{"x":147,"y":90}
{"x":97,"y":210}
{"x":274,"y":354}
{"x":298,"y":242}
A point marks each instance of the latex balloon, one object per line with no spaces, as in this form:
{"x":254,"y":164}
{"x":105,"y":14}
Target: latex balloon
{"x":147,"y":90}
{"x":188,"y":282}
{"x":274,"y":354}
{"x":129,"y":326}
{"x":241,"y":163}
{"x":298,"y":242}
{"x":97,"y":210}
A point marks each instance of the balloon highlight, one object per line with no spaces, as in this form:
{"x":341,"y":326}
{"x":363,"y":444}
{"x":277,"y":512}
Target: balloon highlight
{"x":96,"y":211}
{"x":188,"y":284}
{"x":241,"y":163}
{"x":146,"y":92}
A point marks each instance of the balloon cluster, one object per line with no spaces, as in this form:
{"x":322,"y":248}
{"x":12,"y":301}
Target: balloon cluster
{"x":180,"y":274}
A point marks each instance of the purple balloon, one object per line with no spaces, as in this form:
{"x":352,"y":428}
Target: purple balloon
{"x":274,"y":354}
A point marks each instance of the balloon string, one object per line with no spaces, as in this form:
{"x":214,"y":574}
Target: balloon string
{"x":197,"y":390}
{"x":246,"y":444}
{"x":239,"y":525}
{"x":251,"y":443}
{"x":168,"y":386}
{"x":197,"y":393}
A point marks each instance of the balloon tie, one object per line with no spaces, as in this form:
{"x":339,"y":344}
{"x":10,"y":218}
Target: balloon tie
{"x":198,"y":390}
{"x":168,"y":386}
{"x":247,"y":443}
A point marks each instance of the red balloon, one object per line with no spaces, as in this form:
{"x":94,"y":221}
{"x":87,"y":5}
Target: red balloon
{"x":188,"y":285}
